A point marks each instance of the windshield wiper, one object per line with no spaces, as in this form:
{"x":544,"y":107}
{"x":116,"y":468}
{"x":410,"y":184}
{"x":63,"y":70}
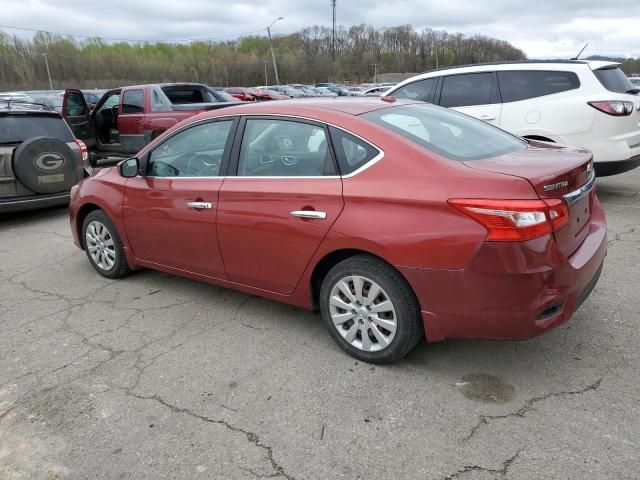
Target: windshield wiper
{"x":633,"y":91}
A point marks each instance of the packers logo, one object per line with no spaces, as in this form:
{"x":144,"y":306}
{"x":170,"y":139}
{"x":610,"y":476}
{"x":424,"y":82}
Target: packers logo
{"x":47,"y":162}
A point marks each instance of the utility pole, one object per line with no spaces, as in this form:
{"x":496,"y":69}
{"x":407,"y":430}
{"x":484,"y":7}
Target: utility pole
{"x":437,"y":66}
{"x":375,"y":72}
{"x":266,"y":79}
{"x":273,"y":55}
{"x":333,"y":35}
{"x":46,"y":62}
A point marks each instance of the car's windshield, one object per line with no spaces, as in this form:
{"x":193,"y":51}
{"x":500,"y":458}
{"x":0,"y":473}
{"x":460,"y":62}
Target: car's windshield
{"x":446,"y":132}
{"x":613,"y":79}
{"x":18,"y":127}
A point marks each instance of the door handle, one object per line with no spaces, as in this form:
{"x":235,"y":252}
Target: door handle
{"x":486,"y":117}
{"x":199,"y":205}
{"x":309,"y":214}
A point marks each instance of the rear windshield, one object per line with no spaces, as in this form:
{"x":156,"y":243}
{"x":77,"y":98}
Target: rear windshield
{"x":17,"y":127}
{"x":613,"y":79}
{"x":446,"y":132}
{"x":186,"y":95}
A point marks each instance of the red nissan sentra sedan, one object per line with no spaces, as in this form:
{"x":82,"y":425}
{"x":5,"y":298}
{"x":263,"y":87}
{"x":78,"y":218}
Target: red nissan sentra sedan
{"x":396,"y":219}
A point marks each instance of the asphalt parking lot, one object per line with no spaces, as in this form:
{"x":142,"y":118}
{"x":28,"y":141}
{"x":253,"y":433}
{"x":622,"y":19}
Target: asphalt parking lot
{"x":155,"y":376}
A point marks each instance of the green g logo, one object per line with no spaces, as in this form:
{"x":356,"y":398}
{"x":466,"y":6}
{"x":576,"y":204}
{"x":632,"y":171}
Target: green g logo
{"x":47,"y":162}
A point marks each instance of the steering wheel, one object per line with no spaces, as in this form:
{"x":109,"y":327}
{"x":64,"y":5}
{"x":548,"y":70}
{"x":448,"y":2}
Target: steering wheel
{"x":202,"y":165}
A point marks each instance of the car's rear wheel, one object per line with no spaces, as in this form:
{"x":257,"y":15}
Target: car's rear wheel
{"x":370,"y":310}
{"x":103,"y":245}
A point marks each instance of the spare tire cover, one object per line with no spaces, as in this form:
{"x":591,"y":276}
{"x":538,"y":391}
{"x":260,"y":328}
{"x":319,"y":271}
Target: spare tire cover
{"x":45,"y":165}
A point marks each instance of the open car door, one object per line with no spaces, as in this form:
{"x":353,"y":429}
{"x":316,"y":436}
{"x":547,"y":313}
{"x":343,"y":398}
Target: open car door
{"x":76,"y":112}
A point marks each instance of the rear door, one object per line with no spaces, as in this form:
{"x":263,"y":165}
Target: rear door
{"x":77,"y":114}
{"x":131,"y":120}
{"x":474,"y":94}
{"x":276,"y":209}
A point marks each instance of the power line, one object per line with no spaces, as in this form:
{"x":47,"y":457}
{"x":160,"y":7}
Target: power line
{"x":112,"y":39}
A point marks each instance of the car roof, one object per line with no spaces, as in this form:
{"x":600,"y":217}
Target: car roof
{"x":307,"y":106}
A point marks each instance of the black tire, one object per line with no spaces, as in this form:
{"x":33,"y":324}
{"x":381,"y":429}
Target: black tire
{"x":46,"y":165}
{"x":120,"y":267}
{"x":409,"y":328}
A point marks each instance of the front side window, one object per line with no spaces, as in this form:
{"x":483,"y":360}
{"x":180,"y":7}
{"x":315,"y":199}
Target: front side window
{"x":351,"y":152}
{"x":195,"y":152}
{"x":524,"y":84}
{"x":613,"y":79}
{"x":133,"y":101}
{"x":467,"y":90}
{"x":75,"y":106}
{"x":284,"y":148}
{"x":445,"y":132}
{"x":419,"y":90}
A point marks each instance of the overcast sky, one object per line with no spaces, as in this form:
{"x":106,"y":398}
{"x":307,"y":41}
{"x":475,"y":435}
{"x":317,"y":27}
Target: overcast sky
{"x":541,"y":28}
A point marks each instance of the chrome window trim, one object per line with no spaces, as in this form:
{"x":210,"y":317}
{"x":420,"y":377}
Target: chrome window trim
{"x":573,"y":197}
{"x":370,"y":163}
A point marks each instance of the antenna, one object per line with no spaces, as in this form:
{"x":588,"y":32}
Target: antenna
{"x":580,"y":52}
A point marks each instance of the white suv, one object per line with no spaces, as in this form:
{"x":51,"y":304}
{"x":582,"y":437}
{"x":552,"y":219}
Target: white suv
{"x":588,"y":104}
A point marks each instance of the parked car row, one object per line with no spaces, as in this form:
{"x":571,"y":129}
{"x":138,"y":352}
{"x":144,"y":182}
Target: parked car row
{"x":297,"y":90}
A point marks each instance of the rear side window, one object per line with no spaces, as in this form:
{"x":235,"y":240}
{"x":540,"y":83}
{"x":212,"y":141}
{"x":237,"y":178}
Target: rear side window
{"x":445,"y":132}
{"x":20,"y":127}
{"x":467,"y":90}
{"x":351,"y":152}
{"x":613,"y":79}
{"x":283,"y":148}
{"x":419,"y":90}
{"x":133,"y":101}
{"x":524,"y":84}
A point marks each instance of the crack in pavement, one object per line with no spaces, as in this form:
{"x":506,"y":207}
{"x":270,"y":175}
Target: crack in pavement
{"x":251,"y":437}
{"x":474,"y":468}
{"x":529,"y":405}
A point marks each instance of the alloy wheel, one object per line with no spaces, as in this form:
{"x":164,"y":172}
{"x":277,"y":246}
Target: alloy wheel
{"x":363,"y":313}
{"x":100,"y":245}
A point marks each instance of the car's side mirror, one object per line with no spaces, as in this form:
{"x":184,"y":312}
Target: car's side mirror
{"x":129,"y":168}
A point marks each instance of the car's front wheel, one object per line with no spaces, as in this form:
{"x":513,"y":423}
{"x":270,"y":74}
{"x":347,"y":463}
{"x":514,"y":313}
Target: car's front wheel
{"x":370,"y":310}
{"x":103,"y":245}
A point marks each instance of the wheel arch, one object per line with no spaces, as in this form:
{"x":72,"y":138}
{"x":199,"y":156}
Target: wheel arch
{"x":330,"y":259}
{"x":84,"y":210}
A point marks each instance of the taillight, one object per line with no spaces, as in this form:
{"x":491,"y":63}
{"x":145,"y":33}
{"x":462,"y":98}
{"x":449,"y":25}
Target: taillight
{"x":515,"y":220}
{"x":616,"y":108}
{"x":84,"y":151}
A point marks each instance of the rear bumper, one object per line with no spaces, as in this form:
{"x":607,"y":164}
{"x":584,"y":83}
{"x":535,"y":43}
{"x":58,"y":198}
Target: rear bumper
{"x":31,"y":202}
{"x":604,"y":169}
{"x":510,"y":291}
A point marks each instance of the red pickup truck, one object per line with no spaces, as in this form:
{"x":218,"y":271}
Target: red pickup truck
{"x":126,"y":119}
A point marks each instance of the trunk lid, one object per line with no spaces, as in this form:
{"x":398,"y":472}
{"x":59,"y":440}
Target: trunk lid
{"x":554,"y":172}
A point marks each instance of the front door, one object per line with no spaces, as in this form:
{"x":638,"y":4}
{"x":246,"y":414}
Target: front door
{"x":276,"y":210}
{"x":76,"y":112}
{"x":170,"y":212}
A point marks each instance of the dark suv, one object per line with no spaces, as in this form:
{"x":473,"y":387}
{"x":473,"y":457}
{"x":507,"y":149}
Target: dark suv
{"x":40,"y":159}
